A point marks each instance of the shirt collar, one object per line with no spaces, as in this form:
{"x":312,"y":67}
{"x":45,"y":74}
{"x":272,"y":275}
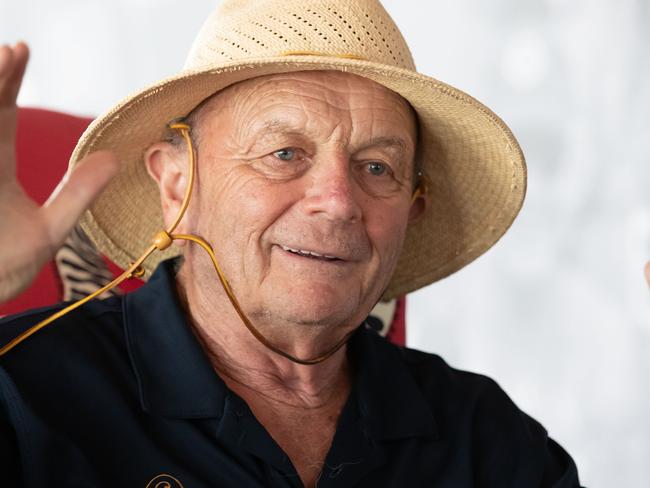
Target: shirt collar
{"x":175,"y":377}
{"x":389,"y":399}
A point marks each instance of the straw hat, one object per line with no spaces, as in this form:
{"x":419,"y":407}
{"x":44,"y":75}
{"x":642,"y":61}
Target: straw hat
{"x":475,"y":166}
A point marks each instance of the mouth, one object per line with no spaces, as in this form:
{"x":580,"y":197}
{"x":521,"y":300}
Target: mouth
{"x":309,"y":254}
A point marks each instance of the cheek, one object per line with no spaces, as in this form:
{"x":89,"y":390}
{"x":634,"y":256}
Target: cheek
{"x":386,"y":230}
{"x":238,"y":206}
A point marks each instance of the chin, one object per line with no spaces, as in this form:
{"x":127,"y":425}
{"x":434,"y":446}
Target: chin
{"x":317,"y":308}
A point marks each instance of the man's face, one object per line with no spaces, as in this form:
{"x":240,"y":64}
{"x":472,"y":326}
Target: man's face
{"x":304,"y":191}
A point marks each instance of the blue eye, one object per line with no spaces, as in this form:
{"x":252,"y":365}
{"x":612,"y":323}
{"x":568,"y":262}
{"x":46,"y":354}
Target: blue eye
{"x":285,"y":154}
{"x":377,"y":169}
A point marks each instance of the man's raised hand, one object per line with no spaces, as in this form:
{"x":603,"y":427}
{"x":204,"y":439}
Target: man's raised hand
{"x":29,"y":234}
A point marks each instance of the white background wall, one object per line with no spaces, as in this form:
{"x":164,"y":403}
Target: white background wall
{"x":558,"y":311}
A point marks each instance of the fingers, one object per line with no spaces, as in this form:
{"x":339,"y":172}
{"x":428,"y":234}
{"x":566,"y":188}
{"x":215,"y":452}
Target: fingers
{"x":647,"y":272}
{"x":6,"y":60}
{"x":13,"y":62}
{"x":76,"y":192}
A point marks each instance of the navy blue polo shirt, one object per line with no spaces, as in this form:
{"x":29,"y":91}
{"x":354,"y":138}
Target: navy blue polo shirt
{"x":120,"y":393}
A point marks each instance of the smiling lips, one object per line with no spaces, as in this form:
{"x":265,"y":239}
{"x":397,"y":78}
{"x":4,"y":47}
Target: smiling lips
{"x":309,"y":254}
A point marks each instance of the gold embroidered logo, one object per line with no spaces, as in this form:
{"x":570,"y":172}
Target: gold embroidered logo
{"x":164,"y":481}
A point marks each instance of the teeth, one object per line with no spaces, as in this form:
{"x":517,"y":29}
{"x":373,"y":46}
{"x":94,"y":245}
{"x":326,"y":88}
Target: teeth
{"x":307,"y":253}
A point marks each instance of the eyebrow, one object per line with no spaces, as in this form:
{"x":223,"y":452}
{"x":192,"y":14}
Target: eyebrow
{"x":387,"y":142}
{"x":279,"y":126}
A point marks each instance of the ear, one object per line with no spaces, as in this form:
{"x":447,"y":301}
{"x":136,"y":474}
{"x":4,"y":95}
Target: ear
{"x":419,"y":201}
{"x":167,"y":165}
{"x":419,"y":205}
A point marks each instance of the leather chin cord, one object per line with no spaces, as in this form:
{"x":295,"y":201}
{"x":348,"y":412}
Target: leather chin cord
{"x":162,"y":240}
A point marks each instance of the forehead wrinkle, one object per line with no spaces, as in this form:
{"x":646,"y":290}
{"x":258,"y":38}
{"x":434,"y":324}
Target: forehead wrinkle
{"x":255,"y":121}
{"x":325,"y":98}
{"x":283,"y":84}
{"x":245,"y":111}
{"x":317,"y":87}
{"x":299,"y":120}
{"x":336,"y":98}
{"x":343,"y":98}
{"x":384,"y":132}
{"x":338,"y":129}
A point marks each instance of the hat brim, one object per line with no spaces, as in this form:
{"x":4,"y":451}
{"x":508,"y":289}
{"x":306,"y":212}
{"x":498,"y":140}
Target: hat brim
{"x":475,"y":166}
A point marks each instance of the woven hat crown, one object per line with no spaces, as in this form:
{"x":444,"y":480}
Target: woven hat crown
{"x":241,"y":29}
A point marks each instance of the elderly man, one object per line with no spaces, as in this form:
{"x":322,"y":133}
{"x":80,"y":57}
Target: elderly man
{"x":313,"y":171}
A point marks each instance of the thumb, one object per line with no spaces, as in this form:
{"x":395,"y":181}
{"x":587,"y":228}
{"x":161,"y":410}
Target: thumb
{"x":76,"y":191}
{"x":647,"y":272}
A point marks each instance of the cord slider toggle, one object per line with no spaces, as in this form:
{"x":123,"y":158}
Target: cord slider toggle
{"x":162,"y":240}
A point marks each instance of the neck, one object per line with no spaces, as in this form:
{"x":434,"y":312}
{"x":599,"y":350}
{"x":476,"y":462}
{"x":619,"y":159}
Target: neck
{"x":299,"y":405}
{"x":249,"y":368}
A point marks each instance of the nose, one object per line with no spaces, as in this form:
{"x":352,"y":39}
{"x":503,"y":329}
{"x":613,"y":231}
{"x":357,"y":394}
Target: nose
{"x":333,"y":192}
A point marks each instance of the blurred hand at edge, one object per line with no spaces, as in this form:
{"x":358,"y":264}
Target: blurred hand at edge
{"x":30,"y":235}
